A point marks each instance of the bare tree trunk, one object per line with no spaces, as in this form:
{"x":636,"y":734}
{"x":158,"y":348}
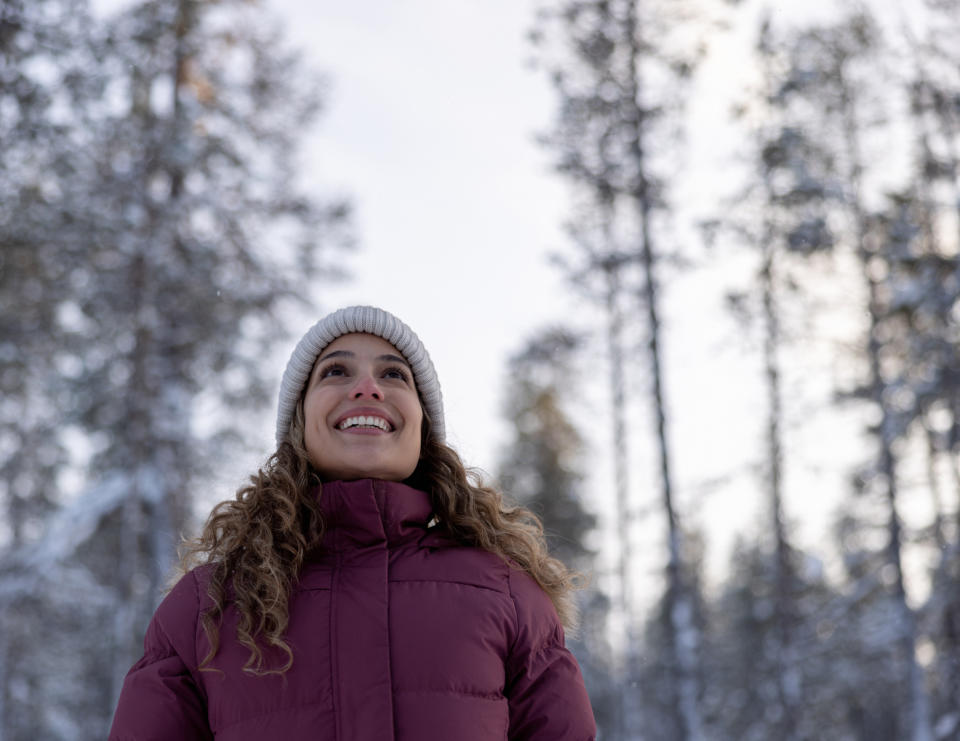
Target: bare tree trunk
{"x":682,"y":628}
{"x":948,"y":127}
{"x":784,"y":608}
{"x":788,"y":673}
{"x":920,"y":720}
{"x":612,"y":269}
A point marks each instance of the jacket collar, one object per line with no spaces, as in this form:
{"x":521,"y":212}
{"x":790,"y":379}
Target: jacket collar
{"x":370,"y":512}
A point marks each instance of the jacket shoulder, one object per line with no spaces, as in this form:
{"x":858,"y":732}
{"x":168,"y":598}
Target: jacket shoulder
{"x":538,"y":624}
{"x":545,"y":689}
{"x":176,"y":619}
{"x":161,"y":696}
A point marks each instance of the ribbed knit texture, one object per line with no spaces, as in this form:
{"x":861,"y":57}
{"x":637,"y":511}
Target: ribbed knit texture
{"x":370,"y":320}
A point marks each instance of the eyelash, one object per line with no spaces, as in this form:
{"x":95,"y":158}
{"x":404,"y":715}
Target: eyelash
{"x":401,"y":372}
{"x":324,"y":372}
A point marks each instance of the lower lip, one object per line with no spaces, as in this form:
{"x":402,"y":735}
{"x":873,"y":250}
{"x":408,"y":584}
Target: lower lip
{"x":364,"y":431}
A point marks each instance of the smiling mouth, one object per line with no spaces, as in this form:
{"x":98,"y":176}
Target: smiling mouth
{"x":365,"y":423}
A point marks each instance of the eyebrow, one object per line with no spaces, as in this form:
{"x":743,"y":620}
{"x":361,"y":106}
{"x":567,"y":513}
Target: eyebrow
{"x":387,"y":357}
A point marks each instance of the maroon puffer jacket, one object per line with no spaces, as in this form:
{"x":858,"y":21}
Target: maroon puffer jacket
{"x":397,"y":634}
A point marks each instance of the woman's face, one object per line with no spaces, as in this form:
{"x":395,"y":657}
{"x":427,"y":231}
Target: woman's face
{"x":362,"y":414}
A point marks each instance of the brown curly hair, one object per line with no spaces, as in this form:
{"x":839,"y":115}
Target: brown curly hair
{"x":257,"y":542}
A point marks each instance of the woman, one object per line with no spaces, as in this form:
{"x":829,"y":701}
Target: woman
{"x":361,"y":588}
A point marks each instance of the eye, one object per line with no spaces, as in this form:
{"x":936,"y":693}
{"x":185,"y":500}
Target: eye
{"x":396,"y":372}
{"x":334,"y":369}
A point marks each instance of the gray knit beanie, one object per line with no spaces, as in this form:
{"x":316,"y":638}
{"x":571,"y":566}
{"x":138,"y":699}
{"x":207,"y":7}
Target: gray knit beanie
{"x":370,"y":320}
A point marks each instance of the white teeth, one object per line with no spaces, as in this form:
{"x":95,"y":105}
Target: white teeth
{"x":377,"y":422}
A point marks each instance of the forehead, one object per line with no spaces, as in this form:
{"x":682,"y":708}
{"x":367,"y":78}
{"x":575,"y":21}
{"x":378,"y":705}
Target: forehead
{"x":361,"y":344}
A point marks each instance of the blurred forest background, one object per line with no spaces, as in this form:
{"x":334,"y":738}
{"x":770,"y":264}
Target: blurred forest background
{"x":148,"y":170}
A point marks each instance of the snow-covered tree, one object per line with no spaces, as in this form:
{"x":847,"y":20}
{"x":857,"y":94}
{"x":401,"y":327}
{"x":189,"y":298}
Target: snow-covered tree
{"x":827,"y":89}
{"x":45,"y":76}
{"x":541,"y":464}
{"x":183,"y":235}
{"x":922,"y":225}
{"x":780,"y":215}
{"x":541,"y":467}
{"x":620,"y":69}
{"x":43,"y":73}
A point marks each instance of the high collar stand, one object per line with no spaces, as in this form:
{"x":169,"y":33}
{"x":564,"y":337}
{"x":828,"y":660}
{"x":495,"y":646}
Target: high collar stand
{"x":370,"y":512}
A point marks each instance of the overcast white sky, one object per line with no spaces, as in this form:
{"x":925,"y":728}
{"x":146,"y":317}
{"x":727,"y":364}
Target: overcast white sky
{"x":429,"y":127}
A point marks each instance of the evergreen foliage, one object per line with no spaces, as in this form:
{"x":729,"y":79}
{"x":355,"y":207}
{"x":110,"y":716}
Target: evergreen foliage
{"x":619,"y":69}
{"x":153,"y":235}
{"x":831,"y":198}
{"x":541,"y":465}
{"x":542,"y":468}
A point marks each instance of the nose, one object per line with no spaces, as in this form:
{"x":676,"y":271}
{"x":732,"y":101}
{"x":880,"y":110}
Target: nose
{"x":366,"y":388}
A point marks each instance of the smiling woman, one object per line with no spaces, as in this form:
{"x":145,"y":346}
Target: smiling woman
{"x":362,"y":416}
{"x":363,"y":585}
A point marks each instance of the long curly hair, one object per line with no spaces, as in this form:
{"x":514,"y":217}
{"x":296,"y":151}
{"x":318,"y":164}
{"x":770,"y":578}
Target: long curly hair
{"x":256,"y":543}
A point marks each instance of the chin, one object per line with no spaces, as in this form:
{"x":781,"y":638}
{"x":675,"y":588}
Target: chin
{"x":354,"y":474}
{"x":350,"y":465}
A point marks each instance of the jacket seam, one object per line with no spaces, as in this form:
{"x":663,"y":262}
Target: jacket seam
{"x":169,"y":648}
{"x":334,"y":648}
{"x":449,"y":581}
{"x":546,"y":646}
{"x":275,"y":711}
{"x":172,"y":649}
{"x":516,"y":614}
{"x":194,"y":667}
{"x":389,"y":618}
{"x":196,"y":619}
{"x":494,"y":697}
{"x":548,"y":642}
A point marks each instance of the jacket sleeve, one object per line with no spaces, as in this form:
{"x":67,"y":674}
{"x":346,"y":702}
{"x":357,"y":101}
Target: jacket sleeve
{"x":548,"y":700}
{"x":161,"y":698}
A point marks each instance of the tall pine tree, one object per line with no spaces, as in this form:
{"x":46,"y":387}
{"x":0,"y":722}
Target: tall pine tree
{"x":541,"y":467}
{"x":619,"y":68}
{"x":184,"y":238}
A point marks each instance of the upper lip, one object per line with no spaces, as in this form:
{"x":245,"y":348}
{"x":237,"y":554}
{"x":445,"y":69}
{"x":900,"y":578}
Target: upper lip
{"x":365,"y":412}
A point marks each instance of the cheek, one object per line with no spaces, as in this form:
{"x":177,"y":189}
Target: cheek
{"x":418,"y":440}
{"x":314,"y":420}
{"x":315,"y":408}
{"x":413,"y":417}
{"x":309,"y":416}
